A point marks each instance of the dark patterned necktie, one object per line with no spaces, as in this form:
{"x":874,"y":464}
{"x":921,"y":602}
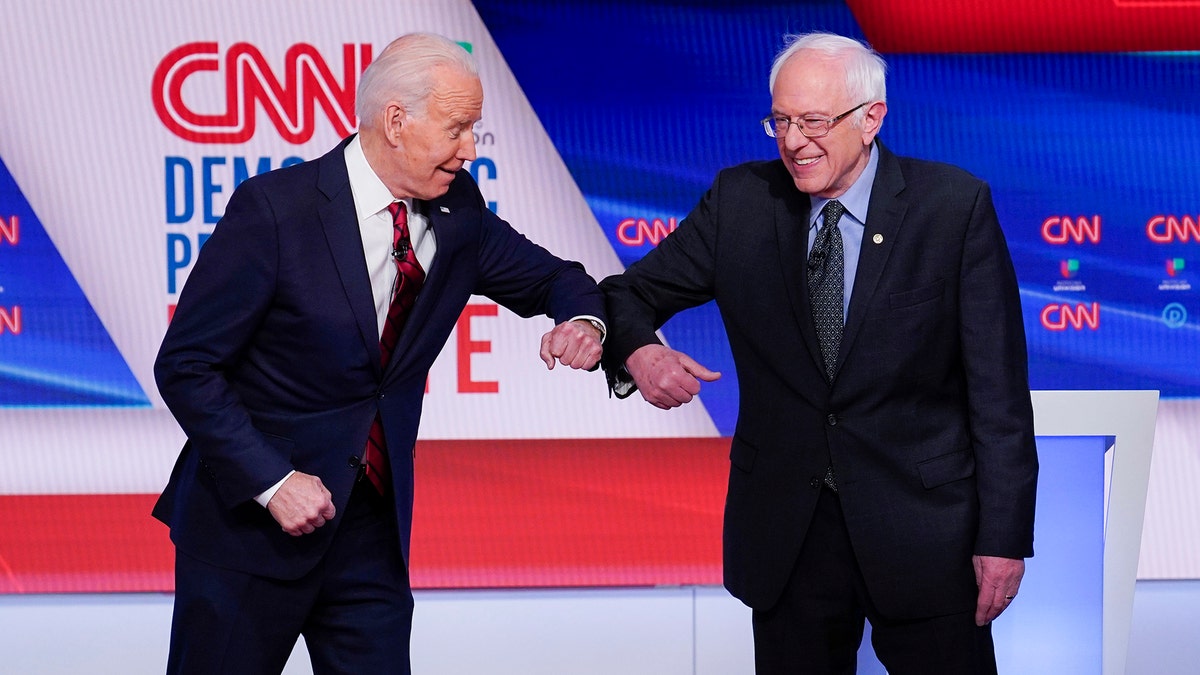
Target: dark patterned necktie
{"x":825,"y":284}
{"x":409,"y":278}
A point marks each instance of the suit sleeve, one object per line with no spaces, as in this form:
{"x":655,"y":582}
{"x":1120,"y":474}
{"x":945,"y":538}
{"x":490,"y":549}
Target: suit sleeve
{"x":227,"y":293}
{"x":999,"y":406}
{"x":529,"y":280}
{"x":676,"y":275}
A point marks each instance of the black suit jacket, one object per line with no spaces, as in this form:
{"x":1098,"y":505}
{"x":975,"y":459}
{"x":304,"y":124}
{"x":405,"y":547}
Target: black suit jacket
{"x":928,"y":422}
{"x":271,"y":362}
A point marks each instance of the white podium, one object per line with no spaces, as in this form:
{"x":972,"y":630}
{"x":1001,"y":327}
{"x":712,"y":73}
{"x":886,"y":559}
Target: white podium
{"x":1125,"y":419}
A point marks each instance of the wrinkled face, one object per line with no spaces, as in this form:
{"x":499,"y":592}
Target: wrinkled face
{"x":431,"y":146}
{"x":812,"y":84}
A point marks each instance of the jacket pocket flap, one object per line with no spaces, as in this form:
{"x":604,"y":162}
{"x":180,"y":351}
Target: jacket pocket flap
{"x":917,"y":295}
{"x":742,"y":454}
{"x":947,"y":468}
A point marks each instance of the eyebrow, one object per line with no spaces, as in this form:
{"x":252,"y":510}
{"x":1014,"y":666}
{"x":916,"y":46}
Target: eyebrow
{"x":779,"y":113}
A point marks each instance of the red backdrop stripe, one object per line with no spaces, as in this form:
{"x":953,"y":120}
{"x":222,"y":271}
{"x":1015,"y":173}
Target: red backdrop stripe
{"x":971,"y":26}
{"x":489,"y":514}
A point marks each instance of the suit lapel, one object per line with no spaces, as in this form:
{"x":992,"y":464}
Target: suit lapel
{"x":339,"y":220}
{"x":791,"y":227}
{"x":885,"y":216}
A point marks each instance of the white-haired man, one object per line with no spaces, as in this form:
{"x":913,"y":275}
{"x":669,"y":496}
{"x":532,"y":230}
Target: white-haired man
{"x":296,"y":363}
{"x":883,"y":465}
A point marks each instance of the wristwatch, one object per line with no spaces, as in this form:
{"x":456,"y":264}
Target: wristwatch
{"x":597,"y":325}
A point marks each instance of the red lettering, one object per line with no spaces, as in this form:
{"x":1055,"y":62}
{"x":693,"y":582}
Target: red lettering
{"x":10,"y":319}
{"x":637,"y":231}
{"x":1166,"y":229}
{"x":1060,"y":230}
{"x":623,"y":233}
{"x":249,"y":82}
{"x":1057,"y":317}
{"x":10,"y":231}
{"x":467,"y":347}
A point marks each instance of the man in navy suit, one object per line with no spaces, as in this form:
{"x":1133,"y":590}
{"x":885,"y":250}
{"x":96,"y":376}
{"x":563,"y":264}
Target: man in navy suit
{"x":883,"y":465}
{"x":272,"y":366}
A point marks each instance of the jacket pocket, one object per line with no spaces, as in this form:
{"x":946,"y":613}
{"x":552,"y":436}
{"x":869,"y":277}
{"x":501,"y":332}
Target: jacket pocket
{"x":742,"y":454}
{"x":917,"y":295}
{"x":947,"y":468}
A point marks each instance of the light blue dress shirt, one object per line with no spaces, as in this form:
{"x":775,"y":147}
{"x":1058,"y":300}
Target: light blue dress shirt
{"x":852,"y":224}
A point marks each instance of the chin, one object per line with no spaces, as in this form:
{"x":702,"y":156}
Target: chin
{"x":807,"y":185}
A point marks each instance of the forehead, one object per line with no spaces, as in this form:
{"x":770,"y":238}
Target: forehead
{"x":809,"y":82}
{"x":457,"y":94}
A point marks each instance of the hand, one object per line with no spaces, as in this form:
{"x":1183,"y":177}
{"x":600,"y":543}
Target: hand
{"x":667,"y":378}
{"x":999,"y":579}
{"x":301,"y":505}
{"x":572,"y":343}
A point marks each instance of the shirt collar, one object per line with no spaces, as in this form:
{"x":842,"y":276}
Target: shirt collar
{"x":370,"y":194}
{"x":857,"y":198}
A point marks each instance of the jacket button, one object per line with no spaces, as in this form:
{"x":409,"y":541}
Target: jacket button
{"x":815,"y":483}
{"x":832,"y":420}
{"x":382,"y":395}
{"x":353,"y":461}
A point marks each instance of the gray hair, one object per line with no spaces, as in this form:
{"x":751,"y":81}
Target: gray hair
{"x":866,"y":71}
{"x":403,"y":72}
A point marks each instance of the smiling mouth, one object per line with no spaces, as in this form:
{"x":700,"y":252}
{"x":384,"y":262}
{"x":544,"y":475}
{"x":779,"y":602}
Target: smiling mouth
{"x":805,"y":161}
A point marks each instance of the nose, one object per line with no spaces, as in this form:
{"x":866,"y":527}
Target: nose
{"x":793,"y":139}
{"x":466,"y":146}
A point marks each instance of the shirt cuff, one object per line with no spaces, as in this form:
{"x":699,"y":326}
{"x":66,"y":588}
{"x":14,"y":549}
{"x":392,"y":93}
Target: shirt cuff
{"x":265,"y":497}
{"x":597,"y":323}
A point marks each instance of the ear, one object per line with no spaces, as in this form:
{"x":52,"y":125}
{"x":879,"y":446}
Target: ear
{"x":872,"y":121}
{"x":394,"y":120}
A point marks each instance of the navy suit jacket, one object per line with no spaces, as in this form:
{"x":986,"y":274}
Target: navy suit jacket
{"x":928,"y":422}
{"x":271,"y":362}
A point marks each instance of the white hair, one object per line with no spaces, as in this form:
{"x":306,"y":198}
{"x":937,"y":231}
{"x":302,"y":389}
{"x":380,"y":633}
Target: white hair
{"x":866,"y":71}
{"x":403,"y":72}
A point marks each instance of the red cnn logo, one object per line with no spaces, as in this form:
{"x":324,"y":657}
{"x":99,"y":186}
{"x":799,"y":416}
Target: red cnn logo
{"x":1057,"y":317}
{"x":248,"y":81}
{"x":1060,"y":230}
{"x":10,"y":320}
{"x":10,"y":230}
{"x":638,"y":231}
{"x":1166,"y":229}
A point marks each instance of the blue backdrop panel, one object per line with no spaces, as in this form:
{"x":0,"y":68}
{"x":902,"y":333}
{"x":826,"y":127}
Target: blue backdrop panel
{"x":58,"y":352}
{"x":647,"y":100}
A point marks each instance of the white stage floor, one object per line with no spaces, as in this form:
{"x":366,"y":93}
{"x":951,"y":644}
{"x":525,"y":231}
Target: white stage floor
{"x":656,"y":631}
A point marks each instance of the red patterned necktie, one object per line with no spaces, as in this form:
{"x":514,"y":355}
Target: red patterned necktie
{"x":409,"y":278}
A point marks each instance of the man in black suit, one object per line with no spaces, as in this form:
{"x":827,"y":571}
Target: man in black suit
{"x":300,"y":390}
{"x":883,"y":464}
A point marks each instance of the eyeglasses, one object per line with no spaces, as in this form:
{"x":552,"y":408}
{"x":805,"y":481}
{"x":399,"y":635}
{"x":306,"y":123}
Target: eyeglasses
{"x":812,"y":126}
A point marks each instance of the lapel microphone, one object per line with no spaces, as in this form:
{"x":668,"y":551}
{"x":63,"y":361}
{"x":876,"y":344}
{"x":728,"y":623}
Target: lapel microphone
{"x":400,"y":251}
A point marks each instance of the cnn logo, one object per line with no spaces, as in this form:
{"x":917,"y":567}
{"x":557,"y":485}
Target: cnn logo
{"x":1064,"y":229}
{"x":245,"y":81}
{"x":1059,"y":317}
{"x":1168,"y":229}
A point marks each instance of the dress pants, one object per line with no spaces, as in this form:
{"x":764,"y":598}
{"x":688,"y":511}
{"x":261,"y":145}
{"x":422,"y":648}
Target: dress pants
{"x":354,"y":609}
{"x":816,"y":627}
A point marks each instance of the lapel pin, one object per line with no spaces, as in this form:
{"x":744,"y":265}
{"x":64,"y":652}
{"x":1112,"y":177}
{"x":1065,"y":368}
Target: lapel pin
{"x":443,"y":209}
{"x":877,"y":238}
